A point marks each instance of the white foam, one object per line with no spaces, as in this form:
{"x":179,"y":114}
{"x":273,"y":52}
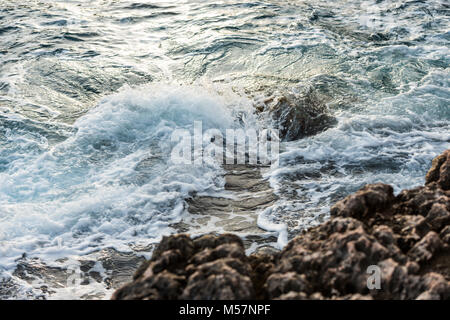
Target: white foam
{"x":112,"y":182}
{"x":266,"y":223}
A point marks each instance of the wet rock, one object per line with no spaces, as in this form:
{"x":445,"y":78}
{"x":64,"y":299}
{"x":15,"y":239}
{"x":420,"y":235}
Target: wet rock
{"x":249,"y":195}
{"x":412,"y":267}
{"x":320,"y":13}
{"x":299,"y":115}
{"x":108,"y":267}
{"x":379,"y":36}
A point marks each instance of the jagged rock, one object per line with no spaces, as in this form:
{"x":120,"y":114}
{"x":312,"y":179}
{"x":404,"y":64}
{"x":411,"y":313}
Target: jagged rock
{"x":420,"y":200}
{"x":355,"y":296}
{"x":401,"y":282}
{"x":425,"y":248}
{"x":435,"y":287}
{"x":262,"y":265}
{"x":227,"y":250}
{"x":211,"y":241}
{"x":365,"y":202}
{"x":299,"y":115}
{"x":281,"y":283}
{"x":209,"y":267}
{"x":438,"y":216}
{"x":445,"y":235}
{"x":224,"y":279}
{"x":440,"y":171}
{"x":181,"y":243}
{"x":409,"y":229}
{"x":334,"y":265}
{"x":162,"y":286}
{"x":385,"y":235}
{"x":406,"y":238}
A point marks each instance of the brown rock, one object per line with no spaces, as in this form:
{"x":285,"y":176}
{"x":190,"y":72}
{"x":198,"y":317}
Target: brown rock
{"x":162,"y":286}
{"x":425,"y":248}
{"x":385,"y":235}
{"x":212,"y":241}
{"x":219,"y":280}
{"x":282,"y":283}
{"x":435,"y":287}
{"x":440,"y":171}
{"x":365,"y":202}
{"x":181,"y":242}
{"x":227,"y":250}
{"x":292,"y":295}
{"x":438,"y":216}
{"x":262,"y":266}
{"x":392,"y":275}
{"x":355,"y":296}
{"x":445,"y":235}
{"x":409,"y":230}
{"x":301,"y":296}
{"x":419,"y":200}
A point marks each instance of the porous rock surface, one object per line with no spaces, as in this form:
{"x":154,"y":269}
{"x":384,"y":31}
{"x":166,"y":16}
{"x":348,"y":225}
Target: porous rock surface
{"x":407,"y":237}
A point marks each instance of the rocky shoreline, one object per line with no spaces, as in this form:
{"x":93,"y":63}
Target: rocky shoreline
{"x":406,"y":237}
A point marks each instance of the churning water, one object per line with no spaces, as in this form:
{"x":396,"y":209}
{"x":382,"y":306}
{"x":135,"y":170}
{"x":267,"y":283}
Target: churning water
{"x":91,"y":91}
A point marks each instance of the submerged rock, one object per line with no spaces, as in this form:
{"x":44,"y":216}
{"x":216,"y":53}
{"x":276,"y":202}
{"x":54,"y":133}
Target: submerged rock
{"x":405,"y":237}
